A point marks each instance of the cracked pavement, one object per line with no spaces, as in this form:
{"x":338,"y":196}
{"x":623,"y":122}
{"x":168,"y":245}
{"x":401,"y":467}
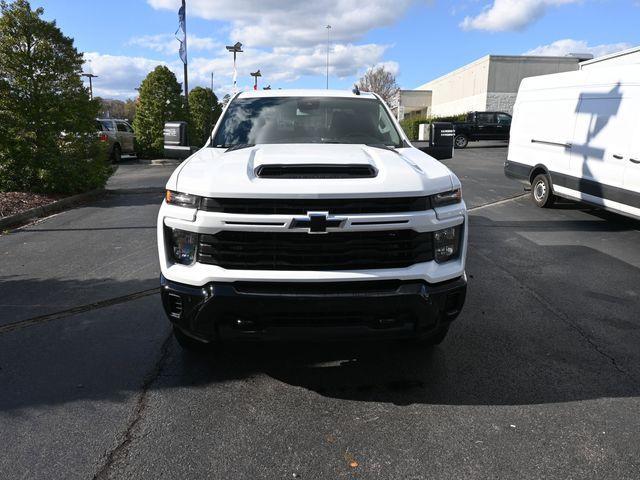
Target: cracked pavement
{"x":539,"y":377}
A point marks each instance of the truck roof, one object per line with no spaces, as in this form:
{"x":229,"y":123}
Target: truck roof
{"x":304,"y":93}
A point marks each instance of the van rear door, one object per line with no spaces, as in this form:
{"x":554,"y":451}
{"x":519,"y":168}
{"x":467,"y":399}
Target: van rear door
{"x":601,"y":140}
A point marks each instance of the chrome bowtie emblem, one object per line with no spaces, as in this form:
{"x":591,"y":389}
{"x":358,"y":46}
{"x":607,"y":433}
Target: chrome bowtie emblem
{"x":317,"y":222}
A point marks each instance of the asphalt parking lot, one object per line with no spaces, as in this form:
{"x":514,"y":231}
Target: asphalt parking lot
{"x":539,"y":377}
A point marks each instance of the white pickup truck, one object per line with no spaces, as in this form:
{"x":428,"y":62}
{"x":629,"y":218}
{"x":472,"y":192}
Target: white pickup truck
{"x":309,"y":215}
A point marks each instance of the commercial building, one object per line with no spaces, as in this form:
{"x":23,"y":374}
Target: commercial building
{"x":412,"y":103}
{"x":491,"y":83}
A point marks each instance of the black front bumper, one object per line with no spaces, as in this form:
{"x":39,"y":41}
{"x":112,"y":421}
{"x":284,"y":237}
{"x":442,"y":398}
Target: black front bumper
{"x":279,"y":311}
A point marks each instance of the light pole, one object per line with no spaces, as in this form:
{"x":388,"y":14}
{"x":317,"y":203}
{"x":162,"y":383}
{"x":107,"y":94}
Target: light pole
{"x":255,"y":75}
{"x":328,"y":27}
{"x":90,"y":76}
{"x":237,"y":48}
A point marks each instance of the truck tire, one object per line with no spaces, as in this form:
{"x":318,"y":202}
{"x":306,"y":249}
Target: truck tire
{"x":116,"y":154}
{"x":542,"y":191}
{"x":189,"y":344}
{"x":461,"y":141}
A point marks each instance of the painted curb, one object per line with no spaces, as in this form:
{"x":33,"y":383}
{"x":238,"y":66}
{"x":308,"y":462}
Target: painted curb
{"x":45,"y":210}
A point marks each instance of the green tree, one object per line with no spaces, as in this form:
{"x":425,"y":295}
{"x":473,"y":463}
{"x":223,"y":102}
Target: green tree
{"x":130,"y":109}
{"x":160,"y":101}
{"x":204,"y":111}
{"x":47,"y":121}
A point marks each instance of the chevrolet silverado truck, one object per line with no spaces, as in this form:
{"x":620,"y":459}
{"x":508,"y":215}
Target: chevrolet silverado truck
{"x":482,"y":126}
{"x":309,"y":215}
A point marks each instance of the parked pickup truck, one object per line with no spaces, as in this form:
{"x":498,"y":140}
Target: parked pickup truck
{"x":482,"y":126}
{"x":310,"y":215}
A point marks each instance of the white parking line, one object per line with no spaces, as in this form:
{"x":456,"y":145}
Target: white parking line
{"x":499,"y":202}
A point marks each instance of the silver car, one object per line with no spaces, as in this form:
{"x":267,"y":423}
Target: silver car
{"x":119,"y":135}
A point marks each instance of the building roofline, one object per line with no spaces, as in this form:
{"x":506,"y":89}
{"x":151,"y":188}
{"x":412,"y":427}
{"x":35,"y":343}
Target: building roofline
{"x":536,"y":57}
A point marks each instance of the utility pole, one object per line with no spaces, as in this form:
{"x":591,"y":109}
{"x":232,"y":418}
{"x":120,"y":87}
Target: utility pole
{"x":183,"y":53}
{"x":90,"y":76}
{"x":328,"y":27}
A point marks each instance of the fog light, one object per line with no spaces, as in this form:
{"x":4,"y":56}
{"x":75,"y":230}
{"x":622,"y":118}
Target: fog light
{"x":183,"y":246}
{"x":446,"y":244}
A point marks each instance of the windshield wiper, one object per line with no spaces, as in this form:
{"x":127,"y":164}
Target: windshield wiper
{"x":382,"y":145}
{"x":239,"y":146}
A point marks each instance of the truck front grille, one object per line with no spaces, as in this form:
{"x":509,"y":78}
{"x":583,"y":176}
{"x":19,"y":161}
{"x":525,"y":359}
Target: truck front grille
{"x":302,"y":251}
{"x":300,"y":206}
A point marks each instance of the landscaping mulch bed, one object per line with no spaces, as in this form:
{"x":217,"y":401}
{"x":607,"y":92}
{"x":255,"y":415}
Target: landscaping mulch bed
{"x":17,"y":202}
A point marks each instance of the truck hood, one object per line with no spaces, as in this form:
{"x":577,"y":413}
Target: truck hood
{"x":212,"y":172}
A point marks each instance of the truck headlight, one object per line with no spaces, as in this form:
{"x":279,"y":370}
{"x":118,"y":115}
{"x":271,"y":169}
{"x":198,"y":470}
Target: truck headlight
{"x":446,"y":244}
{"x":183,"y":246}
{"x":447,"y":198}
{"x":182,"y":199}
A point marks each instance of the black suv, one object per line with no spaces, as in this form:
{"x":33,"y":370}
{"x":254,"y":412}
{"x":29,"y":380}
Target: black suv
{"x":482,"y":126}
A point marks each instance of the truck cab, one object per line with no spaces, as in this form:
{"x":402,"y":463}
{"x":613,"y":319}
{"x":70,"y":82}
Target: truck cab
{"x":482,"y":126}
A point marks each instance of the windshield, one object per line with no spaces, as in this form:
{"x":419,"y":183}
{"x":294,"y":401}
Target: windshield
{"x":252,"y":121}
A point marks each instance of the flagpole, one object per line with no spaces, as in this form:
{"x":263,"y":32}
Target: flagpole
{"x":186,"y":72}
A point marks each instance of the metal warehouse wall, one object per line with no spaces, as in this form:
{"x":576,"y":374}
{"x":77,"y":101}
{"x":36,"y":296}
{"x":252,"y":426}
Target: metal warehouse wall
{"x":506,"y":73}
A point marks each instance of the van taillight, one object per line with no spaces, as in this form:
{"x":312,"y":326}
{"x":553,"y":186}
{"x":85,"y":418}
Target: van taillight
{"x":104,"y":137}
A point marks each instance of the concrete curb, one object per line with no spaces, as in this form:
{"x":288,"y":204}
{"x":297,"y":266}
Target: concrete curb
{"x":46,"y":210}
{"x":160,"y":162}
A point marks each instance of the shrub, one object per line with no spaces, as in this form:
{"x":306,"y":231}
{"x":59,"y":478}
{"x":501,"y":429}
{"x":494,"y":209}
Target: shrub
{"x":411,"y":125}
{"x":204,"y":111}
{"x":48,"y":142}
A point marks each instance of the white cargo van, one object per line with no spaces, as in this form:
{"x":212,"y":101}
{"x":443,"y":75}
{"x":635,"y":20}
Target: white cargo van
{"x":577,"y":135}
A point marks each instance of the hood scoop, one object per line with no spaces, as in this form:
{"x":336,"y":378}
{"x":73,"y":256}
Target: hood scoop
{"x":307,"y":170}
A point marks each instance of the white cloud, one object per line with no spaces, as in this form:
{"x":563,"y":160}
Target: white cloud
{"x":566,"y":46}
{"x":168,"y":45}
{"x":271,"y":23}
{"x":285,"y":39}
{"x":118,"y":76}
{"x":283,"y":65}
{"x":510,"y":14}
{"x":390,"y":66}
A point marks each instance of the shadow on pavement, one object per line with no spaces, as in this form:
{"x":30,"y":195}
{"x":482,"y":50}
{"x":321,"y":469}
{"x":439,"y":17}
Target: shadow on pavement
{"x":559,"y":334}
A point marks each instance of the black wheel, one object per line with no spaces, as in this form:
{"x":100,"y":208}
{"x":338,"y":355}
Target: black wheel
{"x":461,"y":141}
{"x":188,"y":343}
{"x":542,"y":191}
{"x":116,"y":154}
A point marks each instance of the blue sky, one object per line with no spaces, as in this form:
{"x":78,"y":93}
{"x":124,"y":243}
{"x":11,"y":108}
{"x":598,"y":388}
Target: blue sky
{"x":286,"y":39}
